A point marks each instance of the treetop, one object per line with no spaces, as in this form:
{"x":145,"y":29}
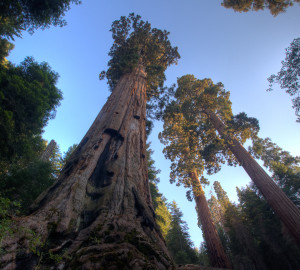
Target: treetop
{"x":191,"y":141}
{"x":134,"y":40}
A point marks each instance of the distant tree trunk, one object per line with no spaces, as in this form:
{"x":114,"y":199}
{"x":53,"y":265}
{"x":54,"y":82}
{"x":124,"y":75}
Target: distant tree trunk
{"x":281,"y":204}
{"x":217,"y":255}
{"x":48,"y":151}
{"x":99,"y":215}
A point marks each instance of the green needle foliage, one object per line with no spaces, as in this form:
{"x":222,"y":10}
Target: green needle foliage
{"x":190,"y":138}
{"x":275,"y":7}
{"x":163,"y":216}
{"x":63,"y":160}
{"x":285,"y":168}
{"x":289,"y":74}
{"x":28,"y":99}
{"x":5,"y":48}
{"x":251,"y":232}
{"x":24,"y":184}
{"x":272,"y":240}
{"x":178,"y":239}
{"x":18,"y":15}
{"x":135,"y":40}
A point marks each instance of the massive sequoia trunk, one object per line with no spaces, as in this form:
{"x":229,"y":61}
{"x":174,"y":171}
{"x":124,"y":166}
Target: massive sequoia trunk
{"x":216,"y":253}
{"x":98,"y":215}
{"x":281,"y":204}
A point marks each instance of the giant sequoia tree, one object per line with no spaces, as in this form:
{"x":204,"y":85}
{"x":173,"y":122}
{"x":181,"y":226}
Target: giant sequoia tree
{"x":208,"y":107}
{"x":184,"y":148}
{"x":99,"y":215}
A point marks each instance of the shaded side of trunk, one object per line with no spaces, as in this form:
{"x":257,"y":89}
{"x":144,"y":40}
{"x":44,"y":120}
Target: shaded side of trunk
{"x":98,"y":215}
{"x":281,"y":204}
{"x":217,"y":255}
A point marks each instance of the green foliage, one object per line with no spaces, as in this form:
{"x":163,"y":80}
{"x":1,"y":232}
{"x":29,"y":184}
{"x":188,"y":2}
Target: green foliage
{"x":5,"y":48}
{"x":203,"y":255}
{"x":18,"y":15}
{"x":285,"y":167}
{"x":275,"y":7}
{"x":251,"y":232}
{"x":134,"y":41}
{"x":178,"y":239}
{"x":242,"y":127}
{"x":233,"y":233}
{"x":219,"y":208}
{"x":24,"y":184}
{"x":163,"y":216}
{"x":28,"y":99}
{"x":67,"y":155}
{"x":289,"y":74}
{"x":272,"y":240}
{"x":190,"y":138}
{"x":187,"y":133}
{"x":8,"y":209}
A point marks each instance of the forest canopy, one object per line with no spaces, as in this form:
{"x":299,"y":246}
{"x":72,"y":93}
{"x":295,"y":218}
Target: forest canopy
{"x":135,"y":40}
{"x":19,"y":15}
{"x":275,"y":7}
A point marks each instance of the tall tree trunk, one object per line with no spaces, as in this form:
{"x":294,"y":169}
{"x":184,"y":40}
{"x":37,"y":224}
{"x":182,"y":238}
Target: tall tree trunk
{"x":281,"y":204}
{"x":48,"y":151}
{"x":99,"y":215}
{"x":217,"y":255}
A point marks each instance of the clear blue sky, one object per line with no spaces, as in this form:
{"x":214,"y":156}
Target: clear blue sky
{"x":239,"y":49}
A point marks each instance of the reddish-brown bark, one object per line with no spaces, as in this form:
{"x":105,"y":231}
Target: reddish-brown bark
{"x":281,"y":204}
{"x":217,"y":255}
{"x":99,"y":213}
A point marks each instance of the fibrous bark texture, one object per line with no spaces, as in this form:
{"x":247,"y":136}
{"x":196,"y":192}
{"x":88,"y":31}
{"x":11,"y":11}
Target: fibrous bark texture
{"x":286,"y":210}
{"x":98,"y":215}
{"x":217,"y":255}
